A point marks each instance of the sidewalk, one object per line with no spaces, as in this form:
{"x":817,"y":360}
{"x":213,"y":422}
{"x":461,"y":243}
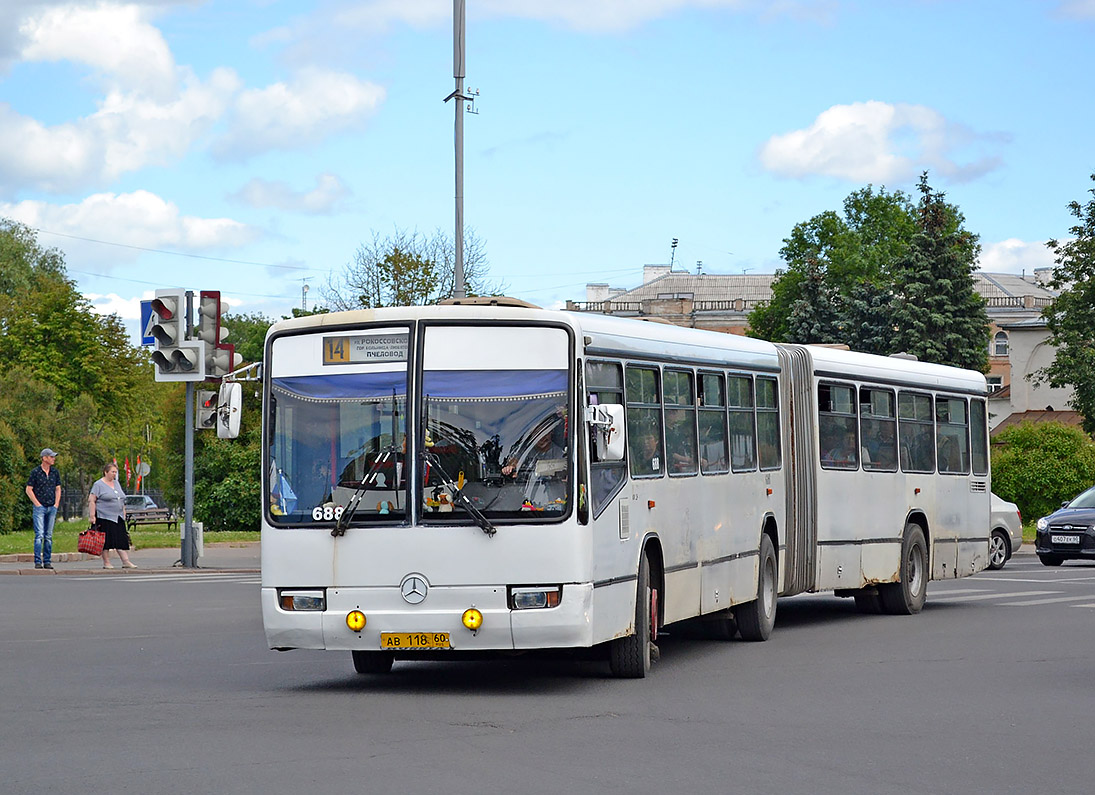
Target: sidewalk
{"x":219,"y":557}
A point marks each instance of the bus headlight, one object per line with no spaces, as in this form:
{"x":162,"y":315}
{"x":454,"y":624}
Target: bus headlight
{"x":355,"y":620}
{"x":472,"y":619}
{"x":294,"y":599}
{"x":532,"y":598}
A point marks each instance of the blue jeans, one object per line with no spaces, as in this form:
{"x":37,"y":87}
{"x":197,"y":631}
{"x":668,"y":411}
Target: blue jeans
{"x":44,"y":516}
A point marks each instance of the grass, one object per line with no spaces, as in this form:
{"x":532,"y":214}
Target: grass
{"x":151,"y":536}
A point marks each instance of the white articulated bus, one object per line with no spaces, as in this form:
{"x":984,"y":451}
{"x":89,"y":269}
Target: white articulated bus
{"x":498,"y":478}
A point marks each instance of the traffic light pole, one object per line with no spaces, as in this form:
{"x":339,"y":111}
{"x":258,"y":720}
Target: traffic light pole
{"x":189,"y":547}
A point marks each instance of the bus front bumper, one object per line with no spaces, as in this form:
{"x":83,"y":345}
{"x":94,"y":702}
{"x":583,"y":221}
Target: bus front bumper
{"x":568,"y":625}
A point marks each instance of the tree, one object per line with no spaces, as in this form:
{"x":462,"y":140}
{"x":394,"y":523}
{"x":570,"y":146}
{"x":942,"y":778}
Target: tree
{"x":882,"y":277}
{"x":407,"y":269}
{"x":938,"y":315}
{"x":1039,"y":465}
{"x":70,"y":378}
{"x":1069,"y":317}
{"x":850,"y":253}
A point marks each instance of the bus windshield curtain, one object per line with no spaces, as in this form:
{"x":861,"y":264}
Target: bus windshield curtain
{"x":472,"y":384}
{"x":348,"y":386}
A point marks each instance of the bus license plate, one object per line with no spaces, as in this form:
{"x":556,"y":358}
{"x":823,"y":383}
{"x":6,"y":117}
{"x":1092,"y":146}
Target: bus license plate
{"x":415,"y":640}
{"x":1066,"y":539}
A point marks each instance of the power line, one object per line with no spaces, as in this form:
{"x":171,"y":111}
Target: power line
{"x":171,"y":253}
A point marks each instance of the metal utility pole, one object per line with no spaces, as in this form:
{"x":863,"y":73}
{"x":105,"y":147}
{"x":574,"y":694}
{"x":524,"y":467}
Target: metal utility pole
{"x":458,"y":95}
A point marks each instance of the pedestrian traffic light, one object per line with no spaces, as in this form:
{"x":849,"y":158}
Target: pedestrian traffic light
{"x":220,"y":358}
{"x":207,"y":409}
{"x":175,"y":357}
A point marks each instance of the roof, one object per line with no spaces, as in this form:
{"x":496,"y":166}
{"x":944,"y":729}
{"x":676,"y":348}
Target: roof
{"x":999,"y":289}
{"x":1019,"y":417}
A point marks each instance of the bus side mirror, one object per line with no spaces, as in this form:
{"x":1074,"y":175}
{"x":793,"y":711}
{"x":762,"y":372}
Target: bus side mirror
{"x":229,"y":403}
{"x":607,"y":423}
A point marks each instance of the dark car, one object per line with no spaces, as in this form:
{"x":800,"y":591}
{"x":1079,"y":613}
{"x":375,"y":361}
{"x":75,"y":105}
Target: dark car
{"x":1068,"y":533}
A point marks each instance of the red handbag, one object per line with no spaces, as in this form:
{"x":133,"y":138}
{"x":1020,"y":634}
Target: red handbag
{"x":91,"y":541}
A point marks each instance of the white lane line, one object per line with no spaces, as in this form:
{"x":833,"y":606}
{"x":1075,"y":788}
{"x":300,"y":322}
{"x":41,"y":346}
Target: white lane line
{"x":1040,"y":580}
{"x":957,"y":591}
{"x":1055,"y":600}
{"x":999,"y":595}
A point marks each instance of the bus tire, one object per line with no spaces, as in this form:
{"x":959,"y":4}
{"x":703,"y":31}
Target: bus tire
{"x":906,"y":596}
{"x":630,"y":657}
{"x":372,"y":662}
{"x":757,"y":618}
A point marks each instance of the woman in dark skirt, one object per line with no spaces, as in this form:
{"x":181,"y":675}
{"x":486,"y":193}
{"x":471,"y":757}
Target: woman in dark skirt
{"x":106,"y":506}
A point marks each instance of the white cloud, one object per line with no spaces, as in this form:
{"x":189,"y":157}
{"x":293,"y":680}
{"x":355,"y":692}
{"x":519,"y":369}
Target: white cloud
{"x":611,"y":16}
{"x":114,"y":304}
{"x":1080,"y":9}
{"x":878,"y":142}
{"x":1014,"y":256}
{"x":117,"y":40}
{"x":322,"y":200}
{"x":316,"y":104}
{"x":135,"y":221}
{"x":126,"y":133}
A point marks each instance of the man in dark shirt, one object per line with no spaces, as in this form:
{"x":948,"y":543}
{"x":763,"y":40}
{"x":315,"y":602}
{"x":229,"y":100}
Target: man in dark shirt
{"x":44,"y":490}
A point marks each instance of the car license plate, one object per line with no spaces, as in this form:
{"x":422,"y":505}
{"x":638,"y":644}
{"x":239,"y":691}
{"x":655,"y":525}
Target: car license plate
{"x":1065,"y":539}
{"x":415,"y":640}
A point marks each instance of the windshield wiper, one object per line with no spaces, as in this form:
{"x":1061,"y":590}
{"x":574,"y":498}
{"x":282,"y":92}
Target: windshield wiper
{"x":348,"y":510}
{"x":460,"y":498}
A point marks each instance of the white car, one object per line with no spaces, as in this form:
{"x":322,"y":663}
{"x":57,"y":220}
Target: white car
{"x":1006,"y":532}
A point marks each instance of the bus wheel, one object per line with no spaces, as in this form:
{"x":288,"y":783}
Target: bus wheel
{"x":629,"y":657}
{"x":373,"y":662}
{"x":756,"y":618}
{"x":906,"y":597}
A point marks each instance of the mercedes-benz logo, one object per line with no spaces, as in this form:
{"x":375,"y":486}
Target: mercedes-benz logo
{"x":414,"y":589}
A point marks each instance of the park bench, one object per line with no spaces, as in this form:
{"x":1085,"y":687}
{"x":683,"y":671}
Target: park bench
{"x":152,"y":516}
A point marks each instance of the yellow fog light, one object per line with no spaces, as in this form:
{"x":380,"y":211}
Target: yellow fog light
{"x":355,"y":620}
{"x":472,"y":619}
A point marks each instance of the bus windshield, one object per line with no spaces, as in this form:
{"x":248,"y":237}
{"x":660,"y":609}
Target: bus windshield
{"x":330,"y":435}
{"x":502,"y":437}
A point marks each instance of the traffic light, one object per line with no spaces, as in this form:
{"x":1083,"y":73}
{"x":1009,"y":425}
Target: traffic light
{"x":220,"y":358}
{"x":207,"y":409}
{"x":175,"y":357}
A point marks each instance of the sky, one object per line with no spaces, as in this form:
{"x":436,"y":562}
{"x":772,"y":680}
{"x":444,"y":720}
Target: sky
{"x":252,"y":146}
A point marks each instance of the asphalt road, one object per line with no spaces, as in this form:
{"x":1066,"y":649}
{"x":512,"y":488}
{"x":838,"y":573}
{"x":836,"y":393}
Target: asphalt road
{"x":161,"y":683}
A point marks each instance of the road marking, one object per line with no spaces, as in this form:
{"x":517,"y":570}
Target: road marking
{"x":957,"y":591}
{"x":1055,"y":600}
{"x":999,"y":595}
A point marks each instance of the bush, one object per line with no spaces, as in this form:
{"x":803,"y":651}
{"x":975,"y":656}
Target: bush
{"x":1039,"y":466}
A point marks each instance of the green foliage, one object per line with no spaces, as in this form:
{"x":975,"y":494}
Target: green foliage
{"x":1069,"y":317}
{"x":248,"y":333}
{"x":227,"y":486}
{"x":1039,"y":466}
{"x":70,"y":378}
{"x":938,"y":315}
{"x":11,"y":477}
{"x":882,"y":277}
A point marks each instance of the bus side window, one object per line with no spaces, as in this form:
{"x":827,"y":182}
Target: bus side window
{"x":952,"y":435}
{"x":743,"y":438}
{"x":915,"y":432}
{"x":768,"y":437}
{"x":979,"y":445}
{"x":644,"y":422}
{"x":878,"y":426}
{"x":680,"y":423}
{"x":712,"y":415}
{"x":604,"y":384}
{"x":836,"y":421}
